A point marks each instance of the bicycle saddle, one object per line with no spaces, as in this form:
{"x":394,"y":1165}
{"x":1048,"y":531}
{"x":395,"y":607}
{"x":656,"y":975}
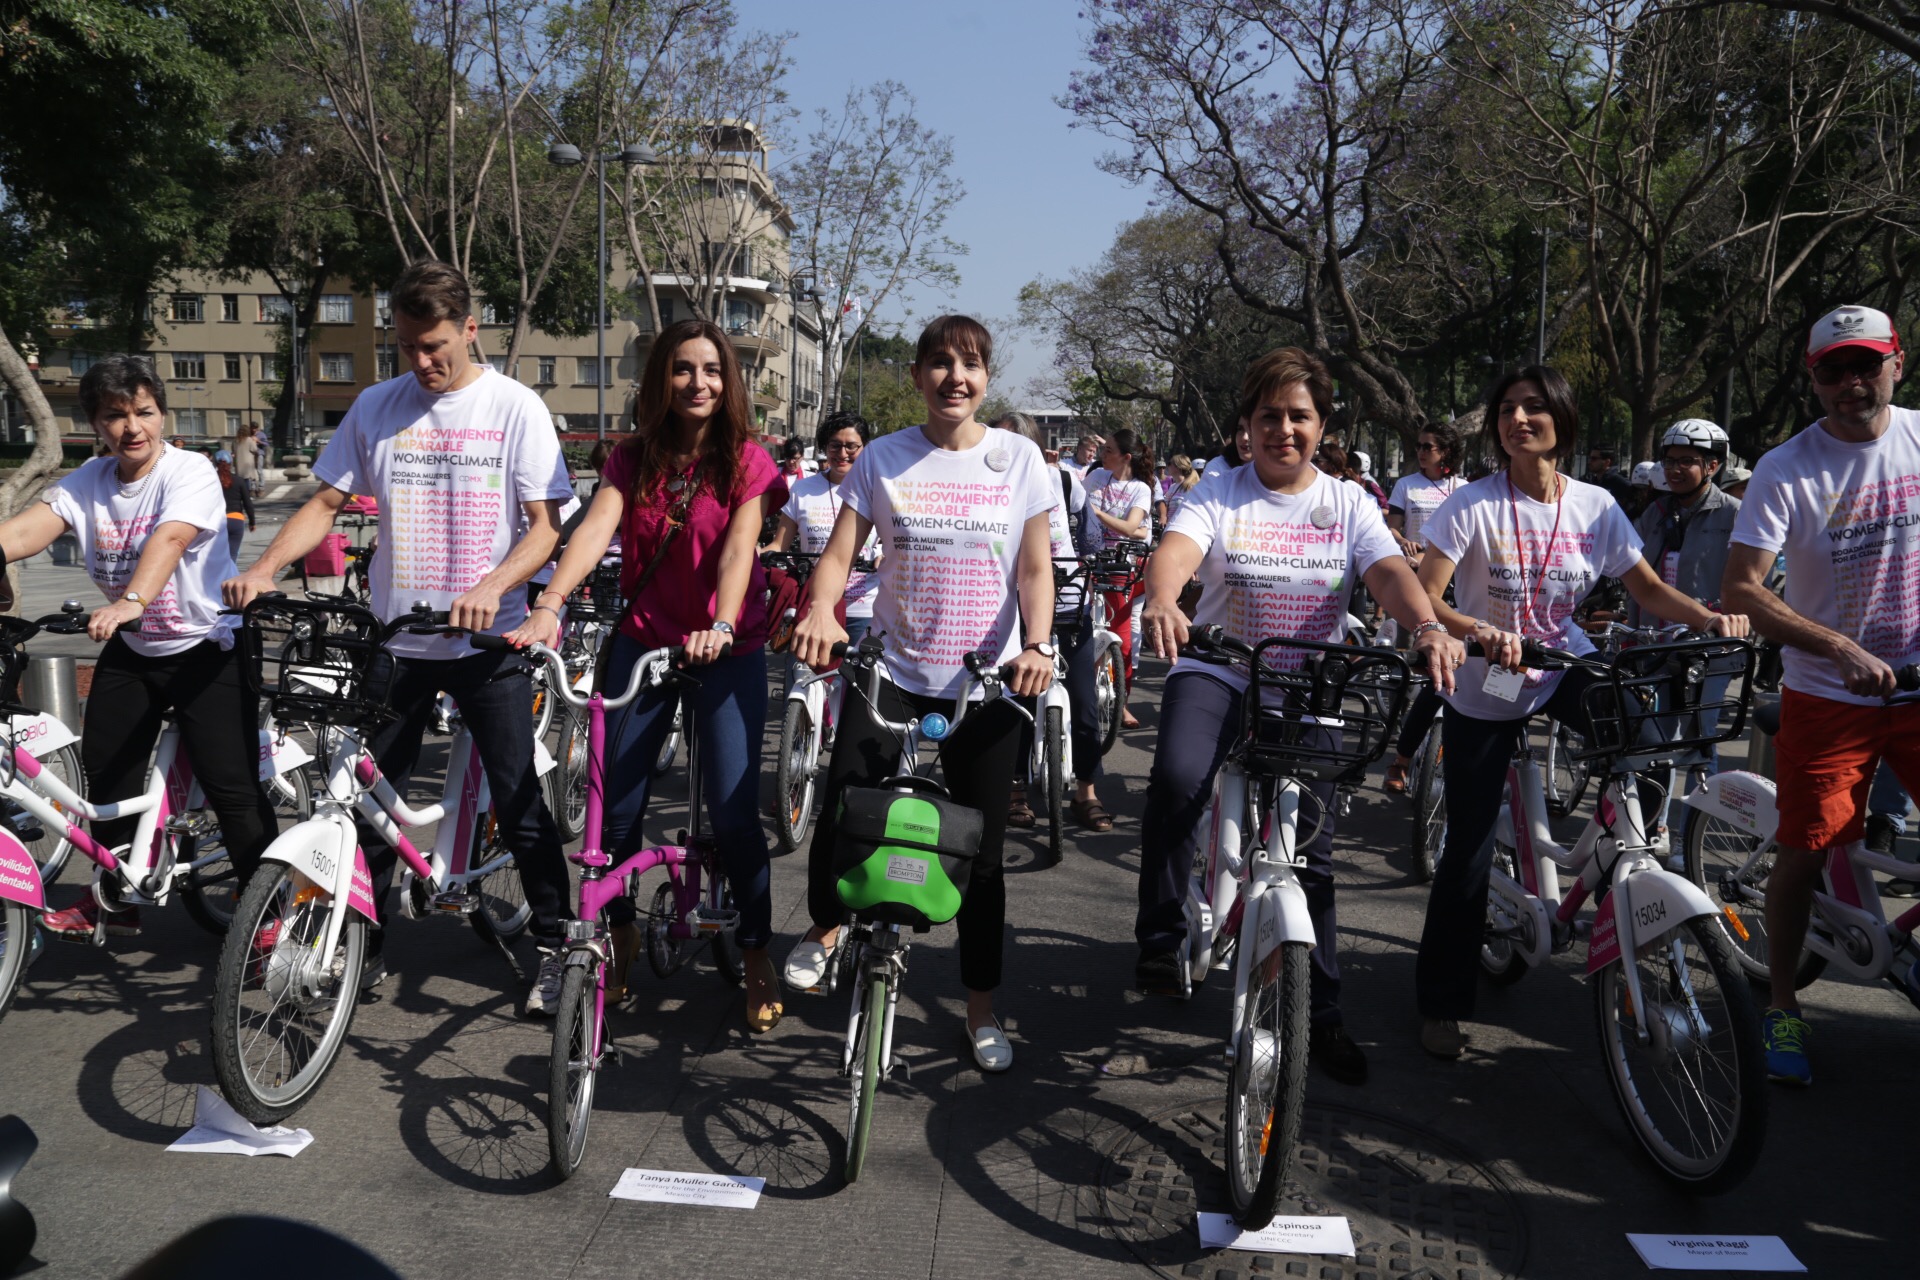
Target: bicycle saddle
{"x":1766,"y":714}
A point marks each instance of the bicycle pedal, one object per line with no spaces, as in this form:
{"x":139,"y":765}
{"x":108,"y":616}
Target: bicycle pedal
{"x":901,"y":1065}
{"x":706,"y":921}
{"x":454,"y":902}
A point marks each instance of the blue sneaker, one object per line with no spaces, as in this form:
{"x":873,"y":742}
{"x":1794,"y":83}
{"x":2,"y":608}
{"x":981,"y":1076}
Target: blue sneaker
{"x":1786,"y":1039}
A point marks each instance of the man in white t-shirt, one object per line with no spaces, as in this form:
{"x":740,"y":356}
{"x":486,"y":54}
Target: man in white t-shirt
{"x":1841,"y":501}
{"x":1083,"y":455}
{"x":469,"y":476}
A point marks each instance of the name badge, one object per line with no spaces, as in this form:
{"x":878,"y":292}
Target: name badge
{"x":1504,"y":684}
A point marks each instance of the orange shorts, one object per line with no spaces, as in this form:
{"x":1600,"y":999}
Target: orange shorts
{"x":1824,"y":759}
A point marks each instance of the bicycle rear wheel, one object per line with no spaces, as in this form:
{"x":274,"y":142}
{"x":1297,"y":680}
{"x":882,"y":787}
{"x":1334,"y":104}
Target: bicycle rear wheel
{"x":280,"y":1010}
{"x":1500,"y":959}
{"x":503,"y":911}
{"x":794,"y":780}
{"x":1267,"y":1088}
{"x":567,"y":780}
{"x":1716,"y":850}
{"x":1429,"y":807}
{"x":869,"y":1040}
{"x":670,"y":749}
{"x":51,"y":850}
{"x":210,"y":889}
{"x":1695,"y":1096}
{"x":1565,"y":777}
{"x":16,"y":949}
{"x":572,"y":1069}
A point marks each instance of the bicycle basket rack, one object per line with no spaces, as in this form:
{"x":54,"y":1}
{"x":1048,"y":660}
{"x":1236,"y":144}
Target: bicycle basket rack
{"x":1327,"y":716}
{"x":598,"y":598}
{"x":14,"y":632}
{"x":1653,"y":702}
{"x":319,"y":661}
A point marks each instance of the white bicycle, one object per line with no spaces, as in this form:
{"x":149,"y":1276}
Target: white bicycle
{"x":1318,"y":719}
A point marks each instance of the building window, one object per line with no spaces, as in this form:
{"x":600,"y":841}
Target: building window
{"x":232,"y":364}
{"x":383,"y":309}
{"x":187,"y":308}
{"x":270,"y":368}
{"x":588,"y":375}
{"x":189,"y":366}
{"x":336,"y":308}
{"x":500,"y":365}
{"x":190,"y":424}
{"x":233,"y":422}
{"x":229,"y":307}
{"x":80,"y":361}
{"x":547,"y":364}
{"x":336,"y":366}
{"x":386,"y":362}
{"x":274,"y":308}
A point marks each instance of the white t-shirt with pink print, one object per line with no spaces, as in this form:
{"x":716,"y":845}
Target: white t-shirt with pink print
{"x":813,"y":504}
{"x":950,"y":522}
{"x":1119,"y":499}
{"x":1278,"y":564}
{"x":113,"y":522}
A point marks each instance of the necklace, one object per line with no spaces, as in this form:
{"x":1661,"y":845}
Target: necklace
{"x":134,"y":487}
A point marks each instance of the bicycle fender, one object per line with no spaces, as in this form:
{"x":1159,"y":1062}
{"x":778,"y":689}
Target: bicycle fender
{"x":280,"y":755}
{"x":318,"y":849}
{"x":1656,"y":903}
{"x":19,"y":874}
{"x":543,"y":760}
{"x":38,"y":734}
{"x":1283,"y":918}
{"x":1740,"y":799}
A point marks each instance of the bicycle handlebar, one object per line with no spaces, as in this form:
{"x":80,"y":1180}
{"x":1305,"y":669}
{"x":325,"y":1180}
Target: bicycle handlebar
{"x":674,"y":656}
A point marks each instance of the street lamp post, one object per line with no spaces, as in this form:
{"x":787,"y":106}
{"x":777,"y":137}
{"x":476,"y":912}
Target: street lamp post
{"x":565,"y":154}
{"x":1540,"y":335}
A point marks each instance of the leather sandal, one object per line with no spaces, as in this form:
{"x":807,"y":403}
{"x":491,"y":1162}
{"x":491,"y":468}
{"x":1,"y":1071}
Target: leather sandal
{"x":1092,"y":816}
{"x":1397,"y":778}
{"x":627,"y":941}
{"x":1019,"y":812}
{"x":763,"y":1015}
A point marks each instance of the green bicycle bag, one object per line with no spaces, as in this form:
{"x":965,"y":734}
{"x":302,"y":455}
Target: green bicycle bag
{"x":905,"y":852}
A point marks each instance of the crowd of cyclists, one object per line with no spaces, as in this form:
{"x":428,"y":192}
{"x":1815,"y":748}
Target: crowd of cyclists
{"x":941,"y":541}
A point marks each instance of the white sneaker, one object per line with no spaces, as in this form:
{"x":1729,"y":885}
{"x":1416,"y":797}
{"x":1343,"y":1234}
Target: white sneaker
{"x":543,"y":998}
{"x":807,"y":964}
{"x":991,"y":1052}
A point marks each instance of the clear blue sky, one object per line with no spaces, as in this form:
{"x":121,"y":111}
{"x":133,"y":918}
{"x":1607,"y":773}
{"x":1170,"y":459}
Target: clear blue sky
{"x":986,"y":74}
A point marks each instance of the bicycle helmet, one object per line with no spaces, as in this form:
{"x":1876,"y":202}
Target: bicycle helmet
{"x":1696,"y":433}
{"x":1644,"y":473}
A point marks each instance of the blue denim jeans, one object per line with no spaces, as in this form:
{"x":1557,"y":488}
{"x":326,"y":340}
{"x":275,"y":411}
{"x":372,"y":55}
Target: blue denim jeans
{"x":728,"y":713}
{"x":1888,"y":798}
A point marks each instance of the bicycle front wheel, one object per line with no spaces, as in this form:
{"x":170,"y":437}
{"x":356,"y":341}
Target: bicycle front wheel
{"x":869,"y":1040}
{"x":1566,"y":778}
{"x":1695,"y":1095}
{"x":281,"y":1010}
{"x":16,"y":949}
{"x":1108,"y":682}
{"x":1056,"y":730}
{"x":1429,"y":808}
{"x":794,"y":776}
{"x":210,"y":889}
{"x":1267,"y":1088}
{"x":568,"y":778}
{"x":572,"y":1069}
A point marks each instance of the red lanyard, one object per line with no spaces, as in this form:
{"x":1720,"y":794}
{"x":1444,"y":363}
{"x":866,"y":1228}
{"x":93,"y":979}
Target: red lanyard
{"x":1520,"y":552}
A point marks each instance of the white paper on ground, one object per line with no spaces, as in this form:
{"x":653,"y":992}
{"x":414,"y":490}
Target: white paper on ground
{"x":1715,"y":1253}
{"x":1282,"y":1235}
{"x":715,"y":1190}
{"x":219,"y":1130}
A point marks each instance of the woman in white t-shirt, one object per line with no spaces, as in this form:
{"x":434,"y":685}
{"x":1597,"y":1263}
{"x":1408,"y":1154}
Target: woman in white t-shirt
{"x":1121,"y":500}
{"x":962,"y":514}
{"x":813,"y":504}
{"x":1521,"y":547}
{"x":153,"y":524}
{"x":1277,"y":544}
{"x":1414,"y":498}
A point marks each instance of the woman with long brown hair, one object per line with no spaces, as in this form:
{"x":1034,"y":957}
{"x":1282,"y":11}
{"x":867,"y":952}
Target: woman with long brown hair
{"x":687,"y":493}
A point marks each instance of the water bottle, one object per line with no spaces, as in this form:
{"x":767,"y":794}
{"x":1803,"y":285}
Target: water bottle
{"x":934,"y":726}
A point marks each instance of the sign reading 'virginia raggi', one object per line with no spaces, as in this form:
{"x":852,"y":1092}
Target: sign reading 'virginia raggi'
{"x":1714,"y":1253}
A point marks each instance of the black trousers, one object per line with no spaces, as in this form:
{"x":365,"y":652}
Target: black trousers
{"x":219,"y":730}
{"x":494,"y":691}
{"x":1446,"y":975}
{"x":1083,"y":674}
{"x":1199,"y":723}
{"x":1419,"y":718}
{"x":978,"y":762}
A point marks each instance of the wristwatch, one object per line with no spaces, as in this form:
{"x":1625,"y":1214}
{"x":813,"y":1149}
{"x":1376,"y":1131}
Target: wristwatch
{"x":135,"y":597}
{"x":1429,"y":625}
{"x":1042,"y":647}
{"x":723,"y":627}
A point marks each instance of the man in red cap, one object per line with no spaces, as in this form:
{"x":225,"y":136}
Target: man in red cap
{"x":1841,"y":500}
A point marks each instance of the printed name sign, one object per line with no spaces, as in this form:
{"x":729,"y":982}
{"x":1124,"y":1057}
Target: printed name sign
{"x":1714,"y":1253}
{"x":1282,"y":1235}
{"x":715,"y":1190}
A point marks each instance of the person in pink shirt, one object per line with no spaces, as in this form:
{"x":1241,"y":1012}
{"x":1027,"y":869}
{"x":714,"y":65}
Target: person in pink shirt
{"x":687,"y":493}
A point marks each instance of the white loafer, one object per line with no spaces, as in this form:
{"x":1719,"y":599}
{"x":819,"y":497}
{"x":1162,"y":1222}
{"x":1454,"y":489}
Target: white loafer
{"x":991,"y":1052}
{"x":807,"y":964}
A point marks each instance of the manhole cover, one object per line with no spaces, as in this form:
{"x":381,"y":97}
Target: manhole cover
{"x":1418,"y":1205}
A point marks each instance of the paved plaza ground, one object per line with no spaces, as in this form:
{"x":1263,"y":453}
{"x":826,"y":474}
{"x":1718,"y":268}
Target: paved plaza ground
{"x":1088,"y":1159}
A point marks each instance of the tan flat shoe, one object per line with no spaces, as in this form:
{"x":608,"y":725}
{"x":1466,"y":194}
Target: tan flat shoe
{"x":764,"y":1007}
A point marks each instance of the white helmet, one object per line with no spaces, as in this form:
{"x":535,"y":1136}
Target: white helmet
{"x":1360,"y":461}
{"x":1644,"y":473}
{"x":1696,"y":433}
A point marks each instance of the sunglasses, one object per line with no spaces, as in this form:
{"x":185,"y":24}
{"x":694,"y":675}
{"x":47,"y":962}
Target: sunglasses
{"x":1429,"y":448}
{"x":1865,"y":364}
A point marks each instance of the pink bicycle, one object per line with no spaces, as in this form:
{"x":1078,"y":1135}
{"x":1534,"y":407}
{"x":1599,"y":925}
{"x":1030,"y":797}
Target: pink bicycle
{"x":692,"y":907}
